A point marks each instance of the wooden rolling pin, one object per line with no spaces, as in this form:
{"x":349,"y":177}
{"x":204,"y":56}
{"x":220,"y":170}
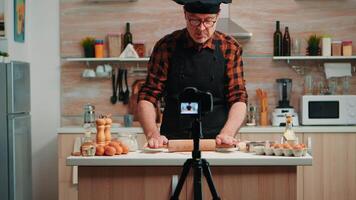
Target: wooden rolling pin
{"x":187,"y":145}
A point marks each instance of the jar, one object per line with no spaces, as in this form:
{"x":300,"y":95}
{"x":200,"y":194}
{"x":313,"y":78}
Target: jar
{"x":128,"y":139}
{"x":99,"y":48}
{"x":336,"y":48}
{"x":251,"y":116}
{"x":89,"y":115}
{"x":88,"y":148}
{"x":347,"y":48}
{"x":326,"y":46}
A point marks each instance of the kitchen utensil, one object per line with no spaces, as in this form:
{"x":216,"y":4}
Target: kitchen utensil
{"x":121,"y":92}
{"x":113,"y":98}
{"x":187,"y":145}
{"x":126,"y":96}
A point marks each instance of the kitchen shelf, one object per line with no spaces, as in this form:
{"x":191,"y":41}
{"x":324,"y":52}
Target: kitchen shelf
{"x":292,"y":58}
{"x":69,"y":59}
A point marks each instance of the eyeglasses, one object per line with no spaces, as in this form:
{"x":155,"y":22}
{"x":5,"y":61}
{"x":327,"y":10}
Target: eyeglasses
{"x":196,"y":22}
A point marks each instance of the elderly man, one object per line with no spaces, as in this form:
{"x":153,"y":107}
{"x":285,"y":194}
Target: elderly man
{"x":196,"y":56}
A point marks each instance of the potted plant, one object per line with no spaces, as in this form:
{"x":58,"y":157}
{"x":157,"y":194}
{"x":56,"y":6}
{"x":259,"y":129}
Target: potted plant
{"x":4,"y":57}
{"x":313,"y":48}
{"x":88,"y":45}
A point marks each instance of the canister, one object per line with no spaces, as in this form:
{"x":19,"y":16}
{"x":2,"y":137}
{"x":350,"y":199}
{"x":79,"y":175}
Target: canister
{"x":326,"y":44}
{"x":336,"y":48}
{"x":99,"y":48}
{"x":347,"y":48}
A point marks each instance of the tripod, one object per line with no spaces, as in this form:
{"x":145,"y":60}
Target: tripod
{"x":199,"y":165}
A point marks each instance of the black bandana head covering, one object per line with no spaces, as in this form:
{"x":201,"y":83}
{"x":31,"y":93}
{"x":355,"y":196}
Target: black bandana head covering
{"x":202,"y":6}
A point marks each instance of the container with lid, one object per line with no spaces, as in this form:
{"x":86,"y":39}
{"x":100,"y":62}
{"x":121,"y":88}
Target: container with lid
{"x":326,"y":46}
{"x":128,"y":139}
{"x":99,"y":48}
{"x":347,"y":48}
{"x":336,"y":48}
{"x":87,"y":148}
{"x":89,"y":115}
{"x":251,"y":116}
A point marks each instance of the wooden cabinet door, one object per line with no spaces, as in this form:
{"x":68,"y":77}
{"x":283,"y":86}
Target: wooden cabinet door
{"x":333,"y":173}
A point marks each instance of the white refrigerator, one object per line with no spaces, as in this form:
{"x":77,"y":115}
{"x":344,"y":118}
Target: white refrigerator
{"x":15,"y":131}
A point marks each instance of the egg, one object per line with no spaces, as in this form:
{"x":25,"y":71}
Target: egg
{"x":100,"y":150}
{"x":117,"y":147}
{"x":109,"y":151}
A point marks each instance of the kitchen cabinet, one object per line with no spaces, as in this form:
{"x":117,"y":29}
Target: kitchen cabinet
{"x":333,"y":173}
{"x":277,"y":137}
{"x":231,"y":182}
{"x":331,"y":176}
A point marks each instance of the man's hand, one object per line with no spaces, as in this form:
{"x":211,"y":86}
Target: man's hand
{"x":225,"y":139}
{"x":157,"y":141}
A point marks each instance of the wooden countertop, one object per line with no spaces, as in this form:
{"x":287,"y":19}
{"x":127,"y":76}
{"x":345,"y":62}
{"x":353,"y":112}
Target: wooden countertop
{"x":235,"y":158}
{"x":245,"y":129}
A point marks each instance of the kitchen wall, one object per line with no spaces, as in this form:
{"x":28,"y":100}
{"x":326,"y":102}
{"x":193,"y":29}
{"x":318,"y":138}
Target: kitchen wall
{"x":150,"y":22}
{"x":41,"y":50}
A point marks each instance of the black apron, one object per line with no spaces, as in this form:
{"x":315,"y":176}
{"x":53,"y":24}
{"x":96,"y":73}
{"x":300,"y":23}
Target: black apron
{"x":204,"y":70}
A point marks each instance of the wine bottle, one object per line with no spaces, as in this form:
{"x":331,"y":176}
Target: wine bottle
{"x":127,"y":36}
{"x":286,"y":43}
{"x":277,"y":41}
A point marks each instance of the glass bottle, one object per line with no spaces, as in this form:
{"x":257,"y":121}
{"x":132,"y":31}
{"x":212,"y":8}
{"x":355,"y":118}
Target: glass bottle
{"x":286,"y":43}
{"x":277,"y":41}
{"x":127,"y":36}
{"x":251,"y":116}
{"x":289,"y":135}
{"x":87,"y":148}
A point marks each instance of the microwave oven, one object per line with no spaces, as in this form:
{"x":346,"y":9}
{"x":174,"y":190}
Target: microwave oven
{"x":328,"y":110}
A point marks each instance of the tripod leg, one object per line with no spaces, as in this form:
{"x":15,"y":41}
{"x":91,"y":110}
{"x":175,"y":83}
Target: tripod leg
{"x":183,"y":176}
{"x":209,"y":180}
{"x":197,"y":167}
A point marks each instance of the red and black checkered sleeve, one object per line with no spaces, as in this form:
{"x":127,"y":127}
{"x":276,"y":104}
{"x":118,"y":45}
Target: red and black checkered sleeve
{"x":157,"y":70}
{"x":236,"y":90}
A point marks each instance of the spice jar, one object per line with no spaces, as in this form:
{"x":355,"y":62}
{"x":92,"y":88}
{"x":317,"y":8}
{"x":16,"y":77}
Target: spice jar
{"x":99,"y":48}
{"x":251,"y":116}
{"x":88,"y":148}
{"x":336,"y":48}
{"x":347,"y":48}
{"x":130,"y":140}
